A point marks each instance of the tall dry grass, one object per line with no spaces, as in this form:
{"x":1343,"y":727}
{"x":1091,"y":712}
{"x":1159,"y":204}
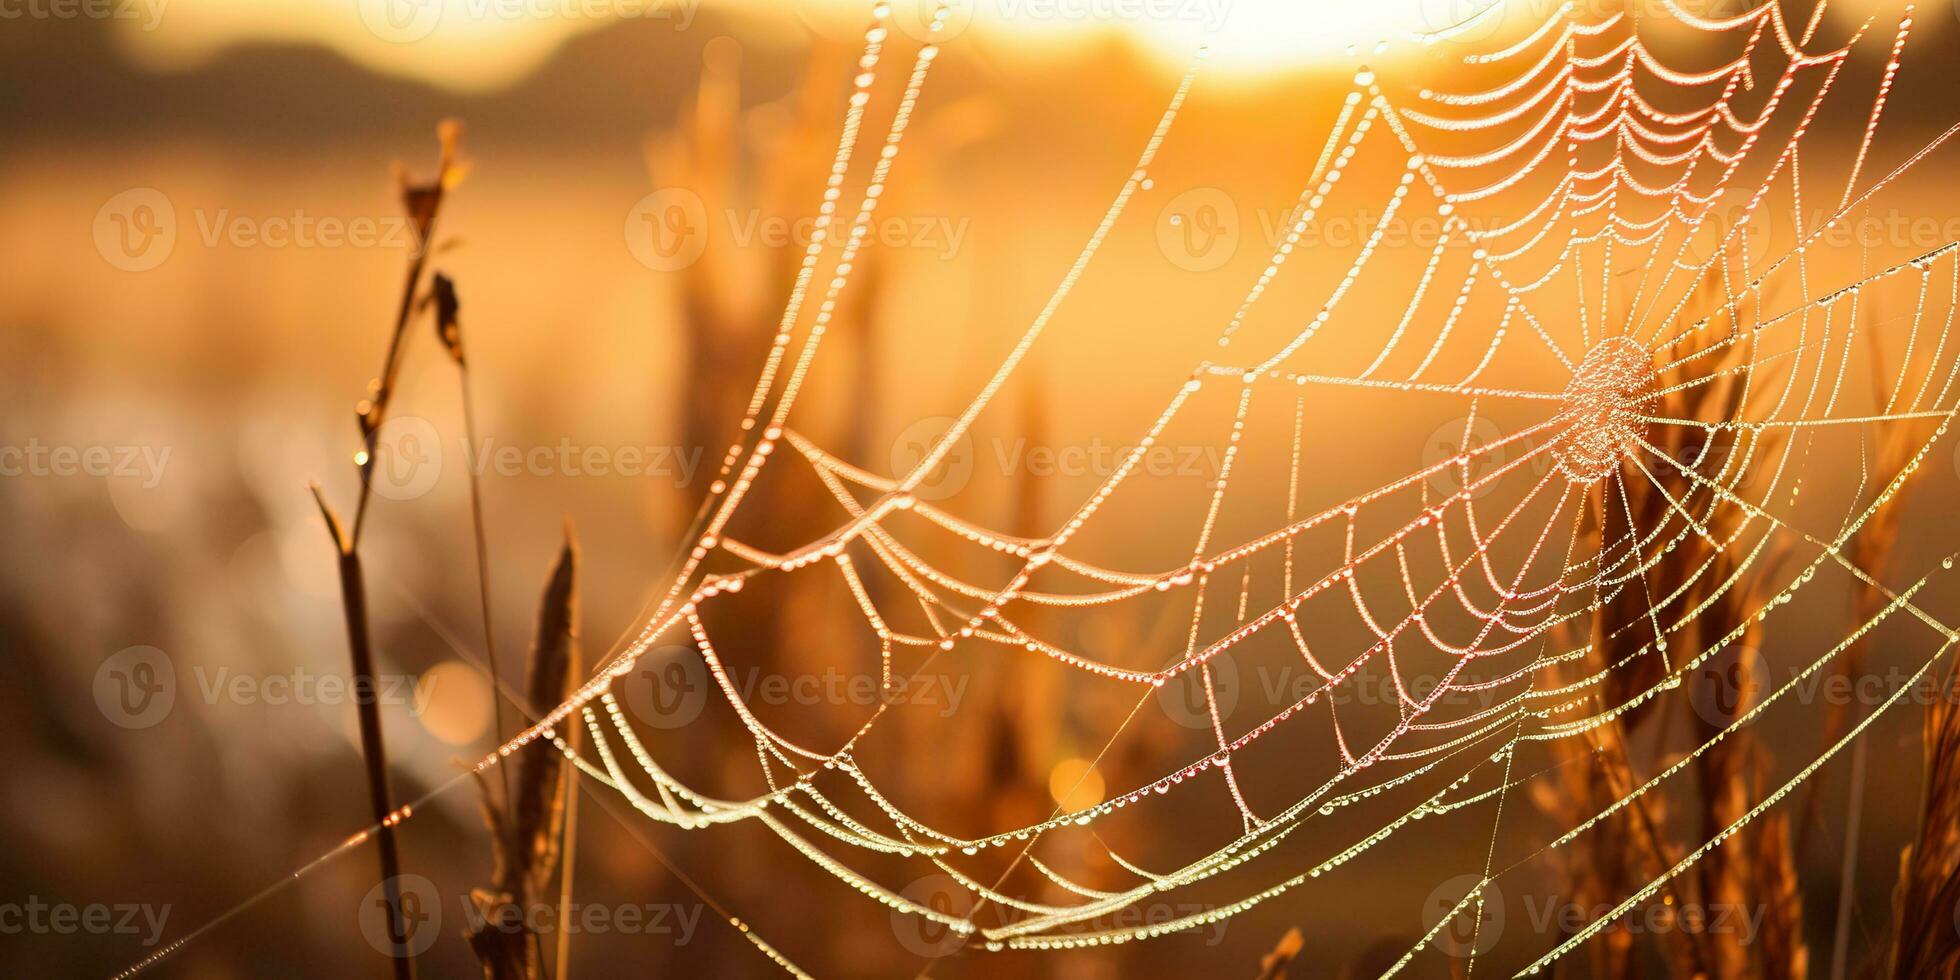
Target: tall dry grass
{"x":1924,"y":941}
{"x":528,"y":829}
{"x":1757,"y":868}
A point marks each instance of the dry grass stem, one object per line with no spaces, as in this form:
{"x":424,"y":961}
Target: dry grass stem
{"x":527,"y":829}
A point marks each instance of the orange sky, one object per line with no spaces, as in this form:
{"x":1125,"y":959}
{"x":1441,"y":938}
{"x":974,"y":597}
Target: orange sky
{"x":489,"y":44}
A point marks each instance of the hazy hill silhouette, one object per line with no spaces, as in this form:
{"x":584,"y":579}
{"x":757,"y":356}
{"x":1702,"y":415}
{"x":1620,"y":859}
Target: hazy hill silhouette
{"x":66,"y":78}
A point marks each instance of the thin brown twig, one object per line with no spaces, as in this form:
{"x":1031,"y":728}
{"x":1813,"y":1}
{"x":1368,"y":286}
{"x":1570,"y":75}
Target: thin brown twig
{"x":422,"y":203}
{"x":1650,"y":835}
{"x":449,"y":328}
{"x":374,"y":752}
{"x":384,"y":388}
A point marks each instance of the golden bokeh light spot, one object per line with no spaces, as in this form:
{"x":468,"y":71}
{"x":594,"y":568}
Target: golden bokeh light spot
{"x":453,"y":702}
{"x":1075,"y":784}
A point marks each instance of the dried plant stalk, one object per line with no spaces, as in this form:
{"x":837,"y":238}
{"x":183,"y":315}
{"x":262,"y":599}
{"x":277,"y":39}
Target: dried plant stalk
{"x":527,"y":828}
{"x":1758,"y":865}
{"x":1925,"y":943}
{"x":449,"y":331}
{"x":423,"y":202}
{"x":374,"y":751}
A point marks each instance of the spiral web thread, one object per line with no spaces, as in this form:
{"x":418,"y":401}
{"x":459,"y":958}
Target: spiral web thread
{"x":1632,"y":185}
{"x":1585,"y":158}
{"x":1577,"y":94}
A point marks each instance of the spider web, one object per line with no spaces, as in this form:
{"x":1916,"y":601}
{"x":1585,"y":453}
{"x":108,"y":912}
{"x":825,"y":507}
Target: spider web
{"x":1599,"y":191}
{"x":1587,"y":158}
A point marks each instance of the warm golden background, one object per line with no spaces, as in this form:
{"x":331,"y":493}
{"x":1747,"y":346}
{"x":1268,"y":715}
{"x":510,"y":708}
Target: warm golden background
{"x":244,"y":361}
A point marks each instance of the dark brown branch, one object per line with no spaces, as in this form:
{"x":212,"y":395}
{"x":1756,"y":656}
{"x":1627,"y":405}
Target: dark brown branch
{"x":374,"y":751}
{"x":422,"y":203}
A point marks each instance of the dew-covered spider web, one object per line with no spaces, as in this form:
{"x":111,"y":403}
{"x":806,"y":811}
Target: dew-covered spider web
{"x":1641,"y":350}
